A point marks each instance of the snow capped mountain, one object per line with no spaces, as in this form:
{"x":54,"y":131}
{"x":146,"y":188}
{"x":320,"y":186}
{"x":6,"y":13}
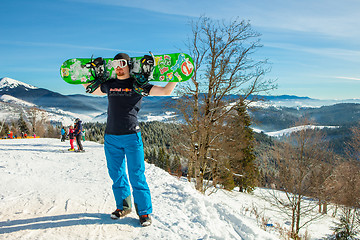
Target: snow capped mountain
{"x":18,"y":98}
{"x":44,"y":98}
{"x":6,"y":83}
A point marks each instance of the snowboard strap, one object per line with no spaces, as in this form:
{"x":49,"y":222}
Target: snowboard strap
{"x":140,"y":81}
{"x":97,"y":66}
{"x":93,"y":86}
{"x":147,"y":66}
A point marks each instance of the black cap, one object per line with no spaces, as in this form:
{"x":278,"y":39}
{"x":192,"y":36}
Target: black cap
{"x":122,"y":56}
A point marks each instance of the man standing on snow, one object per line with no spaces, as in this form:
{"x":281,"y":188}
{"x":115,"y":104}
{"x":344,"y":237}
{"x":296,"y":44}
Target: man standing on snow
{"x":123,"y":137}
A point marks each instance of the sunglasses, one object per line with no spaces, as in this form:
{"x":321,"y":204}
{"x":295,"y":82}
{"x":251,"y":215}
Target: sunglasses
{"x":119,"y":63}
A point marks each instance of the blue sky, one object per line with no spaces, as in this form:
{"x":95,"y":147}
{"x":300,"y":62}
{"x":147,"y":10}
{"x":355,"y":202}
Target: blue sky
{"x":313,"y":46}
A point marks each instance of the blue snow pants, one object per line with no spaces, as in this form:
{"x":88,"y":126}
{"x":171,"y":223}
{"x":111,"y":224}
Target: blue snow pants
{"x":129,"y":147}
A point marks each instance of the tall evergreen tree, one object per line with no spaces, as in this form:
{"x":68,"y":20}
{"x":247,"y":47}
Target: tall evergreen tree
{"x":239,"y":146}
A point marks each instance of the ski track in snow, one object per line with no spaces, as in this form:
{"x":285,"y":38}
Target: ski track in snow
{"x":49,"y":193}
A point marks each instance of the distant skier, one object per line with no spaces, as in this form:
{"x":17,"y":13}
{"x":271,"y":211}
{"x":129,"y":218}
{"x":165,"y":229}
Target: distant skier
{"x":78,"y":132}
{"x":123,"y":137}
{"x":71,"y":137}
{"x":63,"y":134}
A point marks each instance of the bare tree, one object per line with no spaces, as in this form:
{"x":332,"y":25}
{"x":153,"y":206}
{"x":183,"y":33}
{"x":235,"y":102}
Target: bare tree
{"x":343,"y":184}
{"x":38,"y":119}
{"x":222,"y":65}
{"x":300,"y":160}
{"x":318,"y":189}
{"x":343,"y":187}
{"x":353,"y":146}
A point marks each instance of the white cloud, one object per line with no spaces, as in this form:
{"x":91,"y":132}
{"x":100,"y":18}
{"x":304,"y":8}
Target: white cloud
{"x":328,"y":17}
{"x":339,"y":53}
{"x":349,"y":78}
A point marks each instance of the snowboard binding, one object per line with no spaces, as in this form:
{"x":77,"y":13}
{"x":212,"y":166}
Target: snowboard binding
{"x":142,"y":78}
{"x":97,"y":66}
{"x":147,"y":65}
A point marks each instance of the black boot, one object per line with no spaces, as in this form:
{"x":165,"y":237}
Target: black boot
{"x":145,"y":220}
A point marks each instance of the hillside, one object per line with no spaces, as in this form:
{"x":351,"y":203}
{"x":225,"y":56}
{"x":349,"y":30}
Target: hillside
{"x":47,"y":193}
{"x":278,"y":118}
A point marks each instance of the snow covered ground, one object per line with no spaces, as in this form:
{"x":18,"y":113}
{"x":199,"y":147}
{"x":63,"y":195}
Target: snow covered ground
{"x":47,"y":192}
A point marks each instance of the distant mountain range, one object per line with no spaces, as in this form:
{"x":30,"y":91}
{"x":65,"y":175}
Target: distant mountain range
{"x":273,"y":114}
{"x":47,"y":99}
{"x":17,"y":97}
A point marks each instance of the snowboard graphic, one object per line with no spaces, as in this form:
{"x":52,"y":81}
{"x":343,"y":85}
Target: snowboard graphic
{"x":174,"y":67}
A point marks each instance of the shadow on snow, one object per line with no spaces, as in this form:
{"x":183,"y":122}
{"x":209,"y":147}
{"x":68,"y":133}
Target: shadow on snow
{"x":65,"y":220}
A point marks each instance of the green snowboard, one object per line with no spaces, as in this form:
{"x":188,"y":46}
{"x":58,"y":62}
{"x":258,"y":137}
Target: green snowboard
{"x":174,"y":67}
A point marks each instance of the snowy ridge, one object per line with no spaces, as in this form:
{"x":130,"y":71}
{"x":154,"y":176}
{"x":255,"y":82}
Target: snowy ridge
{"x":12,"y":83}
{"x":288,"y":131}
{"x":167,"y":116}
{"x":11,"y":108}
{"x":14,"y":100}
{"x":301,"y":103}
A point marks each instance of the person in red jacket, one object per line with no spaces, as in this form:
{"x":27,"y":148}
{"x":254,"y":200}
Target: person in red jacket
{"x":71,"y":137}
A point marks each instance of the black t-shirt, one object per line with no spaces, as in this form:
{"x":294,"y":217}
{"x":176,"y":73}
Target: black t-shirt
{"x":123,"y":106}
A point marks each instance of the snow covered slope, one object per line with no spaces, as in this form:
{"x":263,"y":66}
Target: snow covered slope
{"x":14,"y":100}
{"x":48,"y":193}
